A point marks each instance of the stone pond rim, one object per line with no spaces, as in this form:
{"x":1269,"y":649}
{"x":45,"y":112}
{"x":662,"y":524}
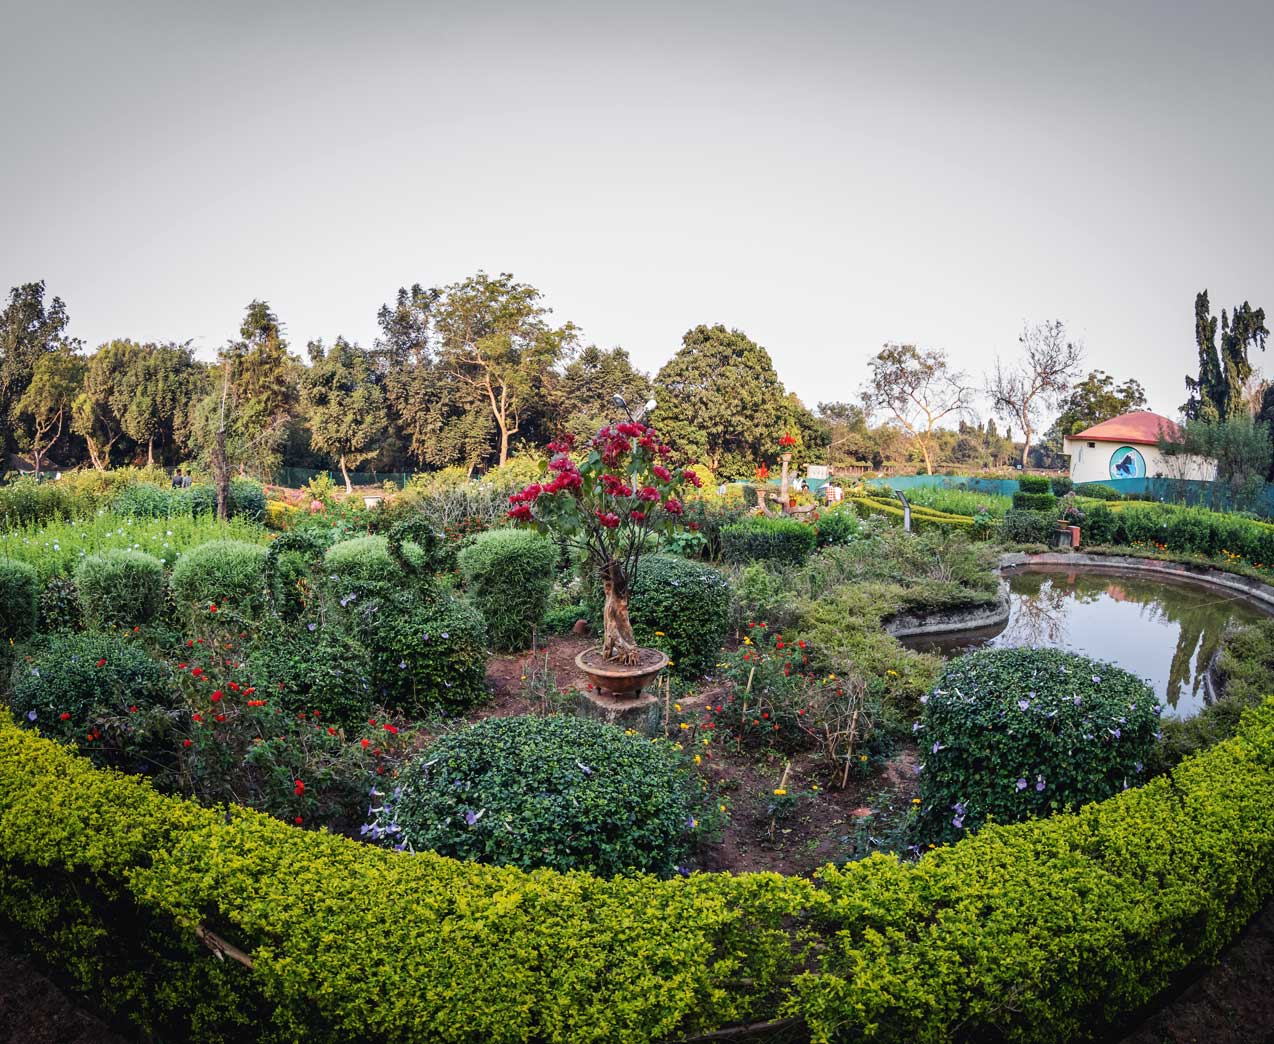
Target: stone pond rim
{"x":616,"y":679}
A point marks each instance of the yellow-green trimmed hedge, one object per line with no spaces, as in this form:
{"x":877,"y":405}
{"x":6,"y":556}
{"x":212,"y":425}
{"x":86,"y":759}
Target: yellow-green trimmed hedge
{"x":1041,"y":931}
{"x":921,"y":517}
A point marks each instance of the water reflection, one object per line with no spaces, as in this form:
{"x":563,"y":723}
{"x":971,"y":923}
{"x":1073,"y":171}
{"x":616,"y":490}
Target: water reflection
{"x":1163,"y":631}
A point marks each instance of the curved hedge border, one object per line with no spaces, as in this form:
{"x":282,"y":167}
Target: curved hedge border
{"x":1041,"y":931}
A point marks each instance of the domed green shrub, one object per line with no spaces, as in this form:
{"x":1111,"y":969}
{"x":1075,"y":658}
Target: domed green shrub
{"x":59,"y":606}
{"x":683,"y":608}
{"x":120,"y":588}
{"x":247,"y":499}
{"x":364,"y":564}
{"x":308,"y":670}
{"x":764,"y":538}
{"x":836,"y":526}
{"x":1011,"y":734}
{"x":19,"y":600}
{"x":509,"y":575}
{"x":101,"y":692}
{"x":227,"y":574}
{"x":143,"y":500}
{"x":561,"y":792}
{"x":424,"y":652}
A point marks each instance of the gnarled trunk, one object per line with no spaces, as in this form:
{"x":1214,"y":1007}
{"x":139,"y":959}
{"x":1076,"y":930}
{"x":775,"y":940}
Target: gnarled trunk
{"x":618,"y":642}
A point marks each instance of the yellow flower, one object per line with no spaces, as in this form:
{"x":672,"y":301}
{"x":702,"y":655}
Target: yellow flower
{"x":524,"y":677}
{"x":684,"y":725}
{"x":698,"y":760}
{"x":676,"y":706}
{"x":723,"y":808}
{"x":780,"y":792}
{"x":815,"y":786}
{"x":915,"y":801}
{"x":862,"y":757}
{"x":659,"y":634}
{"x":693,"y":823}
{"x":747,"y":641}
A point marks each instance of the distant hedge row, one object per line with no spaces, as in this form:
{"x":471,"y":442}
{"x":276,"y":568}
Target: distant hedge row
{"x":1042,"y":931}
{"x":922,"y":517}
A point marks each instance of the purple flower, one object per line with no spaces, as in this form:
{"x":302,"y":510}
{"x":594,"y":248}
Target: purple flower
{"x":684,"y":871}
{"x":1077,"y":701}
{"x":915,"y":726}
{"x":1021,"y":784}
{"x":1096,"y":679}
{"x":1039,"y":783}
{"x":1023,"y":704}
{"x":445,"y":634}
{"x":31,"y":715}
{"x":1137,"y":766}
{"x":937,"y":746}
{"x":312,"y":626}
{"x":1115,"y":732}
{"x":402,"y":665}
{"x":957,"y":822}
{"x":471,"y":817}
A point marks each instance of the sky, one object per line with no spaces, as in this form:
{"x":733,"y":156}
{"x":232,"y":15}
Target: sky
{"x":826,"y":177}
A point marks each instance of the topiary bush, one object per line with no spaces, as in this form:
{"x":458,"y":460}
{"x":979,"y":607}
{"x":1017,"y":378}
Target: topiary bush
{"x":561,"y":792}
{"x":313,"y":670}
{"x":837,"y":526}
{"x":1100,"y":525}
{"x":1035,"y":502}
{"x":227,"y":574}
{"x":19,"y":600}
{"x":1061,"y":485}
{"x":424,"y":653}
{"x":365,"y":565}
{"x":103,"y":693}
{"x":1033,"y":484}
{"x":764,"y":538}
{"x":59,"y":606}
{"x":120,"y":588}
{"x":683,"y":608}
{"x":1098,"y":491}
{"x":1013,"y":734}
{"x":1028,"y":527}
{"x":509,"y":575}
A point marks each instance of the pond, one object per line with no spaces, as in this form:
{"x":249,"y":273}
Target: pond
{"x":1162,"y":630}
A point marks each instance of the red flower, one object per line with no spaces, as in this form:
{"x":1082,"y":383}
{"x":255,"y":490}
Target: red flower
{"x":693,"y":478}
{"x":673,"y":506}
{"x":185,"y":743}
{"x":521,"y":513}
{"x":694,"y":527}
{"x":181,"y":666}
{"x":649,"y":493}
{"x":221,"y":717}
{"x":637,"y":516}
{"x":365,"y":742}
{"x":787,"y":439}
{"x":101,"y":663}
{"x":196,"y":716}
{"x":608,"y":519}
{"x":392,"y":729}
{"x":299,"y":787}
{"x":216,"y":696}
{"x":662,"y":473}
{"x":234,"y":686}
{"x":331,"y":731}
{"x":64,"y":716}
{"x":212,"y":608}
{"x":298,"y":820}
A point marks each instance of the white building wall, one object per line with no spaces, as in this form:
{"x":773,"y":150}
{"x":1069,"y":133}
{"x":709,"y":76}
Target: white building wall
{"x":1092,"y":461}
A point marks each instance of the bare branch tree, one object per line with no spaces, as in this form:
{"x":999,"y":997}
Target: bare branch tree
{"x":1043,"y":375}
{"x":917,"y":389}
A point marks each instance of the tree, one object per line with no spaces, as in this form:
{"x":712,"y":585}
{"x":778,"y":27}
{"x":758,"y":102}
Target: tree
{"x":1049,"y":363}
{"x":55,"y":382}
{"x":917,"y":389}
{"x":1239,"y":445}
{"x":264,"y":378}
{"x":1220,"y":390}
{"x":495,"y":342}
{"x":344,"y":406}
{"x":28,"y":331}
{"x":156,"y":393}
{"x":584,"y":396}
{"x":720,"y":400}
{"x":96,"y":412}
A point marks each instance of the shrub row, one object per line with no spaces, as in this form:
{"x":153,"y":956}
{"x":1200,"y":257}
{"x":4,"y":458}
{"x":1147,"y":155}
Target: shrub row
{"x":764,"y":538}
{"x":922,"y":518}
{"x":1077,"y":918}
{"x":1029,"y":527}
{"x":1186,"y":530}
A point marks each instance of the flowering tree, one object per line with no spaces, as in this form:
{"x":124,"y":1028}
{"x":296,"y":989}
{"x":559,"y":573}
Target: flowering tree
{"x":609,"y":504}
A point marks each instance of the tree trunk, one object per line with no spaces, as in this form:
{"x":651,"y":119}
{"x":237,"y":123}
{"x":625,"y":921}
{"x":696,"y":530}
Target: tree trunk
{"x":504,"y":445}
{"x":150,"y":452}
{"x":349,"y":488}
{"x":1026,"y":449}
{"x":618,"y":642}
{"x":221,"y":474}
{"x":924,"y":449}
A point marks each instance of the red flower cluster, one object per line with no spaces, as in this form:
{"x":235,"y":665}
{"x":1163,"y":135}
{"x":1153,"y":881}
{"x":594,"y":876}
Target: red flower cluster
{"x":787,"y":439}
{"x":693,"y":478}
{"x":673,"y":506}
{"x":616,"y":486}
{"x":649,"y":493}
{"x":662,"y":473}
{"x":298,"y":787}
{"x":608,"y":519}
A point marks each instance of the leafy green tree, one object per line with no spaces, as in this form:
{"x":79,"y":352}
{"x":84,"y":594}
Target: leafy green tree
{"x":721,"y":401}
{"x":1239,"y":445}
{"x":917,"y":389}
{"x":28,"y":330}
{"x":1220,"y":390}
{"x":583,"y":398}
{"x":344,"y":406}
{"x":55,"y":382}
{"x":264,"y":384}
{"x":156,"y":394}
{"x":404,"y":364}
{"x":495,"y":343}
{"x":96,"y":413}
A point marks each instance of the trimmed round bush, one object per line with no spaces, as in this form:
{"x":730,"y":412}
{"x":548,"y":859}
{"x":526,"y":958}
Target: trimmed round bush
{"x":424,"y":654}
{"x":764,"y":538}
{"x":19,"y":600}
{"x":225,"y":573}
{"x":837,"y":526}
{"x":1033,"y":484}
{"x":1012,"y":734}
{"x":142,"y":500}
{"x":247,"y":499}
{"x":1034,"y":502}
{"x":120,"y":588}
{"x":1029,"y":527}
{"x":1061,"y":485}
{"x":1098,"y":491}
{"x":365,"y":564}
{"x":509,"y":574}
{"x":683,"y":608}
{"x":561,"y":792}
{"x":101,"y":692}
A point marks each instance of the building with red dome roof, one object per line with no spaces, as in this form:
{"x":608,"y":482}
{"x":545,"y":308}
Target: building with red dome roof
{"x":1127,"y":447}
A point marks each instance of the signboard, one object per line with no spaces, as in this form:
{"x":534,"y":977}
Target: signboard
{"x":817,"y":471}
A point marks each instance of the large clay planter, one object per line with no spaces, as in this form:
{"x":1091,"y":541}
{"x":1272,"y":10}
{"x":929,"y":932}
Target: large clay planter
{"x":617,"y":680}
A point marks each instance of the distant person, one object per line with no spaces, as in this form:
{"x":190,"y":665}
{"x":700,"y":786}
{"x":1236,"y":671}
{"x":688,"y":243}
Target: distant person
{"x":185,"y":480}
{"x":177,"y":479}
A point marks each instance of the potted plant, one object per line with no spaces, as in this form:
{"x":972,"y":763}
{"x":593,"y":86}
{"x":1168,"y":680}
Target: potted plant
{"x":608,"y":504}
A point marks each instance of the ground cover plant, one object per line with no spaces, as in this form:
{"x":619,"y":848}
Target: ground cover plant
{"x":954,"y":501}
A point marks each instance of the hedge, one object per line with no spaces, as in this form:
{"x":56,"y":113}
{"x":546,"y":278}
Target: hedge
{"x":509,"y":573}
{"x":228,"y":574}
{"x":683,"y":608}
{"x":1041,"y":931}
{"x":922,"y":517}
{"x":121,"y":588}
{"x":19,"y":600}
{"x":769,"y":539}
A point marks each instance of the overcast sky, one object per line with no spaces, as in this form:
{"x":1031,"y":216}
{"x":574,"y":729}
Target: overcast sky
{"x":824,"y":176}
